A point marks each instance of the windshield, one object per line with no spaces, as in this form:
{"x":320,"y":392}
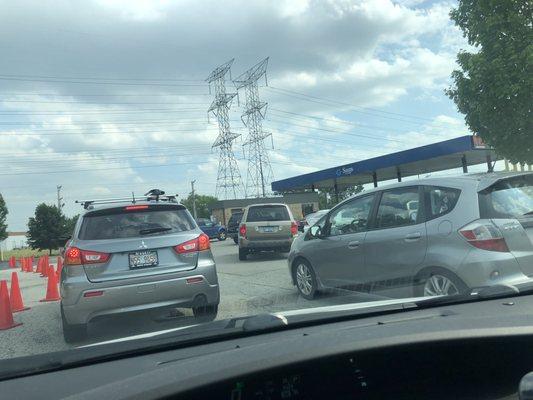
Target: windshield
{"x":168,"y":164}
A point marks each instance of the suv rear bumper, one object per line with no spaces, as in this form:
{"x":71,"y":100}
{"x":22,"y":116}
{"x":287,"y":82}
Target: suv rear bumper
{"x":122,"y":297}
{"x":272,"y":244}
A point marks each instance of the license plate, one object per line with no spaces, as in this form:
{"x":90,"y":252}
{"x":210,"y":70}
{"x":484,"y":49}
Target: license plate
{"x":141,"y":259}
{"x":268,"y":229}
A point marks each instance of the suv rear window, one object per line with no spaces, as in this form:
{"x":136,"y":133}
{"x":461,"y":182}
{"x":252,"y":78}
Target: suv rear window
{"x":120,"y":224}
{"x":509,"y":198}
{"x":267,"y":213}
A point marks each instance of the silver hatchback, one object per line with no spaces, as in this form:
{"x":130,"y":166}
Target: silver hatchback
{"x":135,"y":257}
{"x":441,"y":236}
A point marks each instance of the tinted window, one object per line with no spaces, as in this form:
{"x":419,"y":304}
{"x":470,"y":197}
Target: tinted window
{"x":351,"y":217}
{"x":394,"y":207}
{"x":441,"y":200}
{"x":205,"y":222}
{"x":268,"y":213}
{"x":510,"y":198}
{"x":130,"y":224}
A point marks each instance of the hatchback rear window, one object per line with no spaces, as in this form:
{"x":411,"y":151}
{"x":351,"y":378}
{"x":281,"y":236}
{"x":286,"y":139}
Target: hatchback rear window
{"x":268,"y":213}
{"x":509,"y":198}
{"x":120,"y":224}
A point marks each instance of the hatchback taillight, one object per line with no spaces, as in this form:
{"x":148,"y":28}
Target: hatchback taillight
{"x":197,"y":244}
{"x":484,"y":235}
{"x":242,"y":230}
{"x":75,"y":256}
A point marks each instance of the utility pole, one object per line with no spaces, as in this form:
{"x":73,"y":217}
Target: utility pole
{"x":193,"y":195}
{"x":259,"y":175}
{"x":229,"y":183}
{"x":59,"y":198}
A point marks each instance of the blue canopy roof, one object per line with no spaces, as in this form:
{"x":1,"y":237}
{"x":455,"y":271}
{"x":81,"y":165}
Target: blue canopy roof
{"x":434,"y":157}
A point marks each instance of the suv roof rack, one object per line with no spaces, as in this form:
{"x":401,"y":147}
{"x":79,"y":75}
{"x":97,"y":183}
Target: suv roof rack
{"x":151,"y":195}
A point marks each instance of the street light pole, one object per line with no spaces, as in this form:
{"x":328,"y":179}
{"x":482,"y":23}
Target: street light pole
{"x":193,"y":199}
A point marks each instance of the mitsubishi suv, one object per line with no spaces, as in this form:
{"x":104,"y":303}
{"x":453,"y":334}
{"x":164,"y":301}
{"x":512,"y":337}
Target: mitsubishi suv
{"x":439,"y":236}
{"x":136,"y":256}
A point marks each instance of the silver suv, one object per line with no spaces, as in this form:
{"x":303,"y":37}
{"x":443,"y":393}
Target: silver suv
{"x":269,"y":227}
{"x":133,"y":257}
{"x":441,"y":236}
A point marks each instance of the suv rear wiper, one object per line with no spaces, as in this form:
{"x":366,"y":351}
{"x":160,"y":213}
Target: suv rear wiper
{"x":153,"y":230}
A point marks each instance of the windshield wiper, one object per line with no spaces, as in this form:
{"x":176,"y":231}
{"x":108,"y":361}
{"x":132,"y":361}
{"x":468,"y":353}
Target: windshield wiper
{"x":153,"y":230}
{"x":528,"y":213}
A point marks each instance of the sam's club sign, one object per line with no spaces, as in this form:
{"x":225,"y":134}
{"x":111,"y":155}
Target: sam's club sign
{"x":344,"y":171}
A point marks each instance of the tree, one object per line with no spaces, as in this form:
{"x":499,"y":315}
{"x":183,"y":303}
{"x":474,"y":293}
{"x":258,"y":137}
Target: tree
{"x":48,"y":229}
{"x":203,"y":204}
{"x":327,"y":198}
{"x":3,"y":219}
{"x":70,"y":223}
{"x":494,"y":86}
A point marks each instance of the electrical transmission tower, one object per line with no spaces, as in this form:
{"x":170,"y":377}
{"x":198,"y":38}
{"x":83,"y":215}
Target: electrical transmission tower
{"x":229,"y":183}
{"x":259,"y":175}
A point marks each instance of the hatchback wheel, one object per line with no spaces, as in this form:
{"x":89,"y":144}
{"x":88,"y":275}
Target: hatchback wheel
{"x":440,"y":283}
{"x":222,"y":236}
{"x":305,"y":280}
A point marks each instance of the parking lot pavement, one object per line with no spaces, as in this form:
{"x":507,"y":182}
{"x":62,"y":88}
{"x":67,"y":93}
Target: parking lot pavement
{"x":260,"y":284}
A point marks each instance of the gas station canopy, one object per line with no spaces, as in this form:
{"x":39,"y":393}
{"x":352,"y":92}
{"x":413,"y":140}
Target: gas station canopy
{"x":454,"y":153}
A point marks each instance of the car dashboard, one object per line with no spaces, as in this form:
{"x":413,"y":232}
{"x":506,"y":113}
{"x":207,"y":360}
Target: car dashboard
{"x":477,"y":350}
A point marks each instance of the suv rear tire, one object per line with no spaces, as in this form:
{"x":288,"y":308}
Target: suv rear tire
{"x":235,"y":239}
{"x":73,"y":332}
{"x":243,"y":253}
{"x":205,"y":313}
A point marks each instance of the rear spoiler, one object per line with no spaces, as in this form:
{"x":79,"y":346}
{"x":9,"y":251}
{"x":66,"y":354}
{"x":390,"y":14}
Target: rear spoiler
{"x":490,"y":179}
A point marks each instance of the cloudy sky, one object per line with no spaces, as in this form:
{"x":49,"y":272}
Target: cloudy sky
{"x":109,"y":97}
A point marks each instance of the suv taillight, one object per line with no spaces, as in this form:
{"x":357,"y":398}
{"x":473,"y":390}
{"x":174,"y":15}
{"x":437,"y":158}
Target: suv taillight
{"x":197,"y":244}
{"x":75,"y":256}
{"x":294,"y":228}
{"x":484,"y":235}
{"x":242,"y":230}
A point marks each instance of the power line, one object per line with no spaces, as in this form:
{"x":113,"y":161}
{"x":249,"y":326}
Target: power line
{"x":313,"y":99}
{"x":350,"y":105}
{"x":102,"y":78}
{"x":78,"y":82}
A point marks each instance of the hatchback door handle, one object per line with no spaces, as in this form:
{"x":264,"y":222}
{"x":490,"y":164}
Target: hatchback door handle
{"x":413,"y":236}
{"x":353,"y":245}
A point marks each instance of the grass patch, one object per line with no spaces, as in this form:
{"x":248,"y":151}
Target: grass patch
{"x":26,"y":253}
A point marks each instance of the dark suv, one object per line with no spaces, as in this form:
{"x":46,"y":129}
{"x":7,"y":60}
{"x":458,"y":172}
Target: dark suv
{"x":233,"y":226}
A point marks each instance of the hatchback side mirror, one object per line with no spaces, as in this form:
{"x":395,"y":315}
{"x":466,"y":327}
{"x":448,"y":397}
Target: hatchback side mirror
{"x":315,"y":231}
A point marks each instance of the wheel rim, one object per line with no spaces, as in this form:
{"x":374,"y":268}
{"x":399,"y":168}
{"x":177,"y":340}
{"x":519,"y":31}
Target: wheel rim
{"x":439,"y":285}
{"x":222,"y":235}
{"x":304,"y":279}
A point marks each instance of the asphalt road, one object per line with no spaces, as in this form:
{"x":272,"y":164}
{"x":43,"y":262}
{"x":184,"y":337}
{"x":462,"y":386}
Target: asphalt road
{"x":260,"y":284}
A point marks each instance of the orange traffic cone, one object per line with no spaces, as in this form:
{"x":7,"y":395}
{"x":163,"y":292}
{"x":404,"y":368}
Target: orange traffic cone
{"x":39,"y":268}
{"x":15,"y":295}
{"x":59,"y":267}
{"x":52,"y":292}
{"x":21,"y":261}
{"x":6,"y":316}
{"x":44,"y":271}
{"x":30,"y":264}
